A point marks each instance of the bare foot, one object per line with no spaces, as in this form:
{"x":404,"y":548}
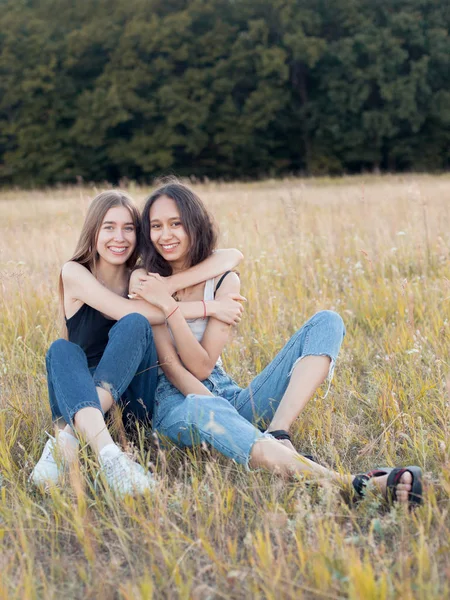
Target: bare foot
{"x":402,"y":490}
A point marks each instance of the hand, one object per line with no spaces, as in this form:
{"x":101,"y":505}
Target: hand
{"x":229,"y":309}
{"x":153,"y":288}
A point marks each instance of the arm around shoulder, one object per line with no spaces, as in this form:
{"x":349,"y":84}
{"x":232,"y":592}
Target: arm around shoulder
{"x":219,"y":262}
{"x":80,"y":284}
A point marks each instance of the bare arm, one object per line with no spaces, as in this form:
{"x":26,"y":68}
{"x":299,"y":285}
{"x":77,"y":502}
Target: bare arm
{"x":170,"y":363}
{"x":219,"y":262}
{"x":156,"y":290}
{"x":81,"y":285}
{"x":200,"y":357}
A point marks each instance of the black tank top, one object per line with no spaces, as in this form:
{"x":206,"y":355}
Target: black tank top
{"x":89,"y":329}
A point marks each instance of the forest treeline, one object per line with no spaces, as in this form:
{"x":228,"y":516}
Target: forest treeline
{"x":111,"y":89}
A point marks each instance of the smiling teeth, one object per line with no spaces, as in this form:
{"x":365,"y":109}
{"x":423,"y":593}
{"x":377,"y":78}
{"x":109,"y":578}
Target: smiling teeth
{"x":117,"y":250}
{"x":169,"y":246}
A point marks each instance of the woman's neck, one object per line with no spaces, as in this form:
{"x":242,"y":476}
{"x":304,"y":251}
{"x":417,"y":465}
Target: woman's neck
{"x":114,"y":277}
{"x":178,"y":266}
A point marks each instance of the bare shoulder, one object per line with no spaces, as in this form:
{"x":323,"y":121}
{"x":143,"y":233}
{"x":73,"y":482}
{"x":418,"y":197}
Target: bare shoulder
{"x":72,"y":271}
{"x":230,"y":284}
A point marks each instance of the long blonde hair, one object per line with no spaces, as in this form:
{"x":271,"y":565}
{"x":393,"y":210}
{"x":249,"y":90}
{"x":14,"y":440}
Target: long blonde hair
{"x":86,"y":249}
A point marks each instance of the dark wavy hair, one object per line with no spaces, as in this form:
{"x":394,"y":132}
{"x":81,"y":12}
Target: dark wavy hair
{"x":197,"y":222}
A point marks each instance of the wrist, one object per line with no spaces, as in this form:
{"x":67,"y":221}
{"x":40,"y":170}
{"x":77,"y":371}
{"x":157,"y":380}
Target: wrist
{"x":168,"y":306}
{"x":211,"y":308}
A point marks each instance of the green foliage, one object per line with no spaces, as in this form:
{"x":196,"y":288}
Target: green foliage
{"x":135,"y":88}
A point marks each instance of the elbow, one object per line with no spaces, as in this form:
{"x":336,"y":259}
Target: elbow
{"x":171,"y":367}
{"x":239,"y":256}
{"x":202,"y":372}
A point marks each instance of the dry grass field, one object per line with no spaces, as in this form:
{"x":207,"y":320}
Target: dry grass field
{"x":376,"y":249}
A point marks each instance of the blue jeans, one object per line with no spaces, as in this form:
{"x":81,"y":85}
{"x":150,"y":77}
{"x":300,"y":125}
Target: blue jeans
{"x":127,"y":369}
{"x":226,"y":420}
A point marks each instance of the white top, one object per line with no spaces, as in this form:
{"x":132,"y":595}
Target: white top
{"x":198,"y":326}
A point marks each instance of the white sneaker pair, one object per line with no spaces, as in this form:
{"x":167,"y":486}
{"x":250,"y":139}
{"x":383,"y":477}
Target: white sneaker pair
{"x":123,"y":475}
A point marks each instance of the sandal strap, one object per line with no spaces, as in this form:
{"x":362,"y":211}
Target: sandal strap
{"x":361,"y":480}
{"x":280,"y":434}
{"x":360,"y":483}
{"x":392,"y":481}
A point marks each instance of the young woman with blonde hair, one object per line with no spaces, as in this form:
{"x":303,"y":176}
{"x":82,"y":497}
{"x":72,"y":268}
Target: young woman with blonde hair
{"x":109,"y":355}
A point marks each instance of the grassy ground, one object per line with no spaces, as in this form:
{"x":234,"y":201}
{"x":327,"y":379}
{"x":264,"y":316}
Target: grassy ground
{"x":374,"y":249}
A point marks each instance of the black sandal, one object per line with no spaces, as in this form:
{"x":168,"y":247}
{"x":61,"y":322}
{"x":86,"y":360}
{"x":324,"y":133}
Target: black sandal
{"x":281,"y":434}
{"x":394,"y":475}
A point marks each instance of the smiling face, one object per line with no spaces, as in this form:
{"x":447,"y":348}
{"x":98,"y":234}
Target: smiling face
{"x":167,"y":232}
{"x":116,"y":239}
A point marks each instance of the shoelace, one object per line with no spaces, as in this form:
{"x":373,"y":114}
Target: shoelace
{"x":115,"y":468}
{"x":120,"y":469}
{"x":49,"y":453}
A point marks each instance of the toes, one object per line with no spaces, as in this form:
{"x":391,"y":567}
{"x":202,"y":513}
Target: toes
{"x":402,"y":496}
{"x":406,"y":478}
{"x":404,"y":487}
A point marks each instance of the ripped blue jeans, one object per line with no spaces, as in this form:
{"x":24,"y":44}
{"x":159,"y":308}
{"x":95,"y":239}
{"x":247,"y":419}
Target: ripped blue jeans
{"x":229,"y":420}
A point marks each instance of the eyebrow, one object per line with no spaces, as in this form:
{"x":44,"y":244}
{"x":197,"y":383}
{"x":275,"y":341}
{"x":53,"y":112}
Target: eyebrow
{"x":169,"y":219}
{"x":114,"y":223}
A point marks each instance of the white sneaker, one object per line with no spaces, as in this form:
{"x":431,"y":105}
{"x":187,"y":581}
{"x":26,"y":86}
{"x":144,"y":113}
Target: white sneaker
{"x":123,"y":475}
{"x":52,"y":465}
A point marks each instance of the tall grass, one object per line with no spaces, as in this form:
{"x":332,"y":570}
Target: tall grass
{"x":374,"y":249}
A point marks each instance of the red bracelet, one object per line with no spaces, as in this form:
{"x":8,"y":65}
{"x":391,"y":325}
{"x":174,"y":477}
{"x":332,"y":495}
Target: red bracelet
{"x":174,"y":310}
{"x":204,"y":309}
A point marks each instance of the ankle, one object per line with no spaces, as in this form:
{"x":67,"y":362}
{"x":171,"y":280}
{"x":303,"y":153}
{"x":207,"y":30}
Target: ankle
{"x":64,"y":437}
{"x":67,"y":445}
{"x":278,"y":427}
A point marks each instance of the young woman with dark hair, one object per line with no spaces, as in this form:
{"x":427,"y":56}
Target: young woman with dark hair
{"x":108,"y":355}
{"x":196,"y":401}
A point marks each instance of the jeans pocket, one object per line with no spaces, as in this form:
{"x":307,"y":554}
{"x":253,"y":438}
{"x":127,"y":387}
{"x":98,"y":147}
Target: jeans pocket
{"x":211,"y":386}
{"x":219,"y":381}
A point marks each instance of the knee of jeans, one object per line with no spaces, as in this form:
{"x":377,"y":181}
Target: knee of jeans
{"x":332,"y":320}
{"x":58,"y":347}
{"x":136,"y":324}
